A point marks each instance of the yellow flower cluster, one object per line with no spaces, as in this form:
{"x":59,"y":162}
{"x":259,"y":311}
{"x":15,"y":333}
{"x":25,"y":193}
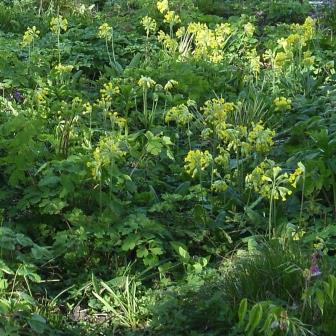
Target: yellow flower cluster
{"x":283,"y":58}
{"x":216,"y":111}
{"x":105,"y":31}
{"x":282,"y":104}
{"x":29,"y":36}
{"x":208,"y":43}
{"x":261,"y":139}
{"x":107,"y":152}
{"x":41,"y":95}
{"x":268,"y":180}
{"x":146,"y":82}
{"x":237,"y":138}
{"x":306,"y":30}
{"x":219,"y":186}
{"x":108,"y":91}
{"x":172,"y":18}
{"x":223,"y":158}
{"x":62,"y":69}
{"x":249,"y":29}
{"x":295,"y":176}
{"x":271,"y":182}
{"x":58,"y":23}
{"x":299,"y":37}
{"x":117,"y":120}
{"x":162,"y":6}
{"x":87,"y":108}
{"x":180,"y":114}
{"x":254,"y":59}
{"x":149,"y":24}
{"x":308,"y":59}
{"x":170,"y":85}
{"x":168,"y":42}
{"x":197,"y":161}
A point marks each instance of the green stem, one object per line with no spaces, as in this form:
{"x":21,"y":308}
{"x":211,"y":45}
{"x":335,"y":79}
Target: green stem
{"x":108,"y":51}
{"x":302,"y":199}
{"x":145,"y":107}
{"x":270,"y":218}
{"x":112,"y":44}
{"x":59,"y":46}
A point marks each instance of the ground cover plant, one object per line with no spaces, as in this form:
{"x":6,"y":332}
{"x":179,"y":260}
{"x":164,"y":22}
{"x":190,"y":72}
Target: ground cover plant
{"x":167,"y":168}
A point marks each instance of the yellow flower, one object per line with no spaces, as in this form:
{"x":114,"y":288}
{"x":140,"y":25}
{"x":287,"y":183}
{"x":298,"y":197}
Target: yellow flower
{"x":269,"y":181}
{"x":308,"y":59}
{"x":168,"y":42}
{"x":216,"y":110}
{"x":282,"y":104}
{"x":87,"y":108}
{"x":149,"y":24}
{"x":108,"y":90}
{"x":41,"y":95}
{"x":197,"y":161}
{"x":57,"y":24}
{"x":223,"y":158}
{"x":61,"y":69}
{"x":104,"y":31}
{"x":223,"y":29}
{"x":294,"y":177}
{"x":249,"y":29}
{"x":219,"y":186}
{"x":180,"y":114}
{"x":295,"y":40}
{"x":29,"y":36}
{"x":260,"y":138}
{"x":162,"y":6}
{"x":170,"y":85}
{"x":180,"y":32}
{"x":283,"y":43}
{"x":146,"y":82}
{"x":309,"y":28}
{"x":172,"y":18}
{"x":281,"y":58}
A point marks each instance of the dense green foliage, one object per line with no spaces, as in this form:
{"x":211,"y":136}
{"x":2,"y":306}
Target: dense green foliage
{"x":167,"y":168}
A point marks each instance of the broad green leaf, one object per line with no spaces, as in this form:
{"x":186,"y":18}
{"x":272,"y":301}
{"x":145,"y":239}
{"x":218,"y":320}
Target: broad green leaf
{"x":242,"y":310}
{"x":254,"y":318}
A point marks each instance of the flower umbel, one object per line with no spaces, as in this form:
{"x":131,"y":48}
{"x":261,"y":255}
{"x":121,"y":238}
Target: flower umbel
{"x":29,"y":36}
{"x":197,"y":161}
{"x":282,"y":104}
{"x":58,"y":23}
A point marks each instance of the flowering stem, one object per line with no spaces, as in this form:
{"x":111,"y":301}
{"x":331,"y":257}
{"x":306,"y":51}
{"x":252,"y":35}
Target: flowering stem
{"x":270,"y":218}
{"x":145,"y":107}
{"x":189,"y":142}
{"x":302,"y":198}
{"x":59,"y":46}
{"x":108,"y":51}
{"x":112,"y":44}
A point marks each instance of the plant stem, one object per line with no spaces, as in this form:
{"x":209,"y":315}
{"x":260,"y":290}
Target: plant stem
{"x":108,"y":51}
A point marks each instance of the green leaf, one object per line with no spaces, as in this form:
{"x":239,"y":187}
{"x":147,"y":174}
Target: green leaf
{"x":156,"y":250}
{"x":198,"y":267}
{"x":23,"y":240}
{"x":4,"y":268}
{"x":242,"y":310}
{"x":320,"y":299}
{"x":254,"y":318}
{"x":181,"y":250}
{"x":142,"y":252}
{"x":183,"y":253}
{"x":49,"y":181}
{"x":130,"y":242}
{"x":37,"y":323}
